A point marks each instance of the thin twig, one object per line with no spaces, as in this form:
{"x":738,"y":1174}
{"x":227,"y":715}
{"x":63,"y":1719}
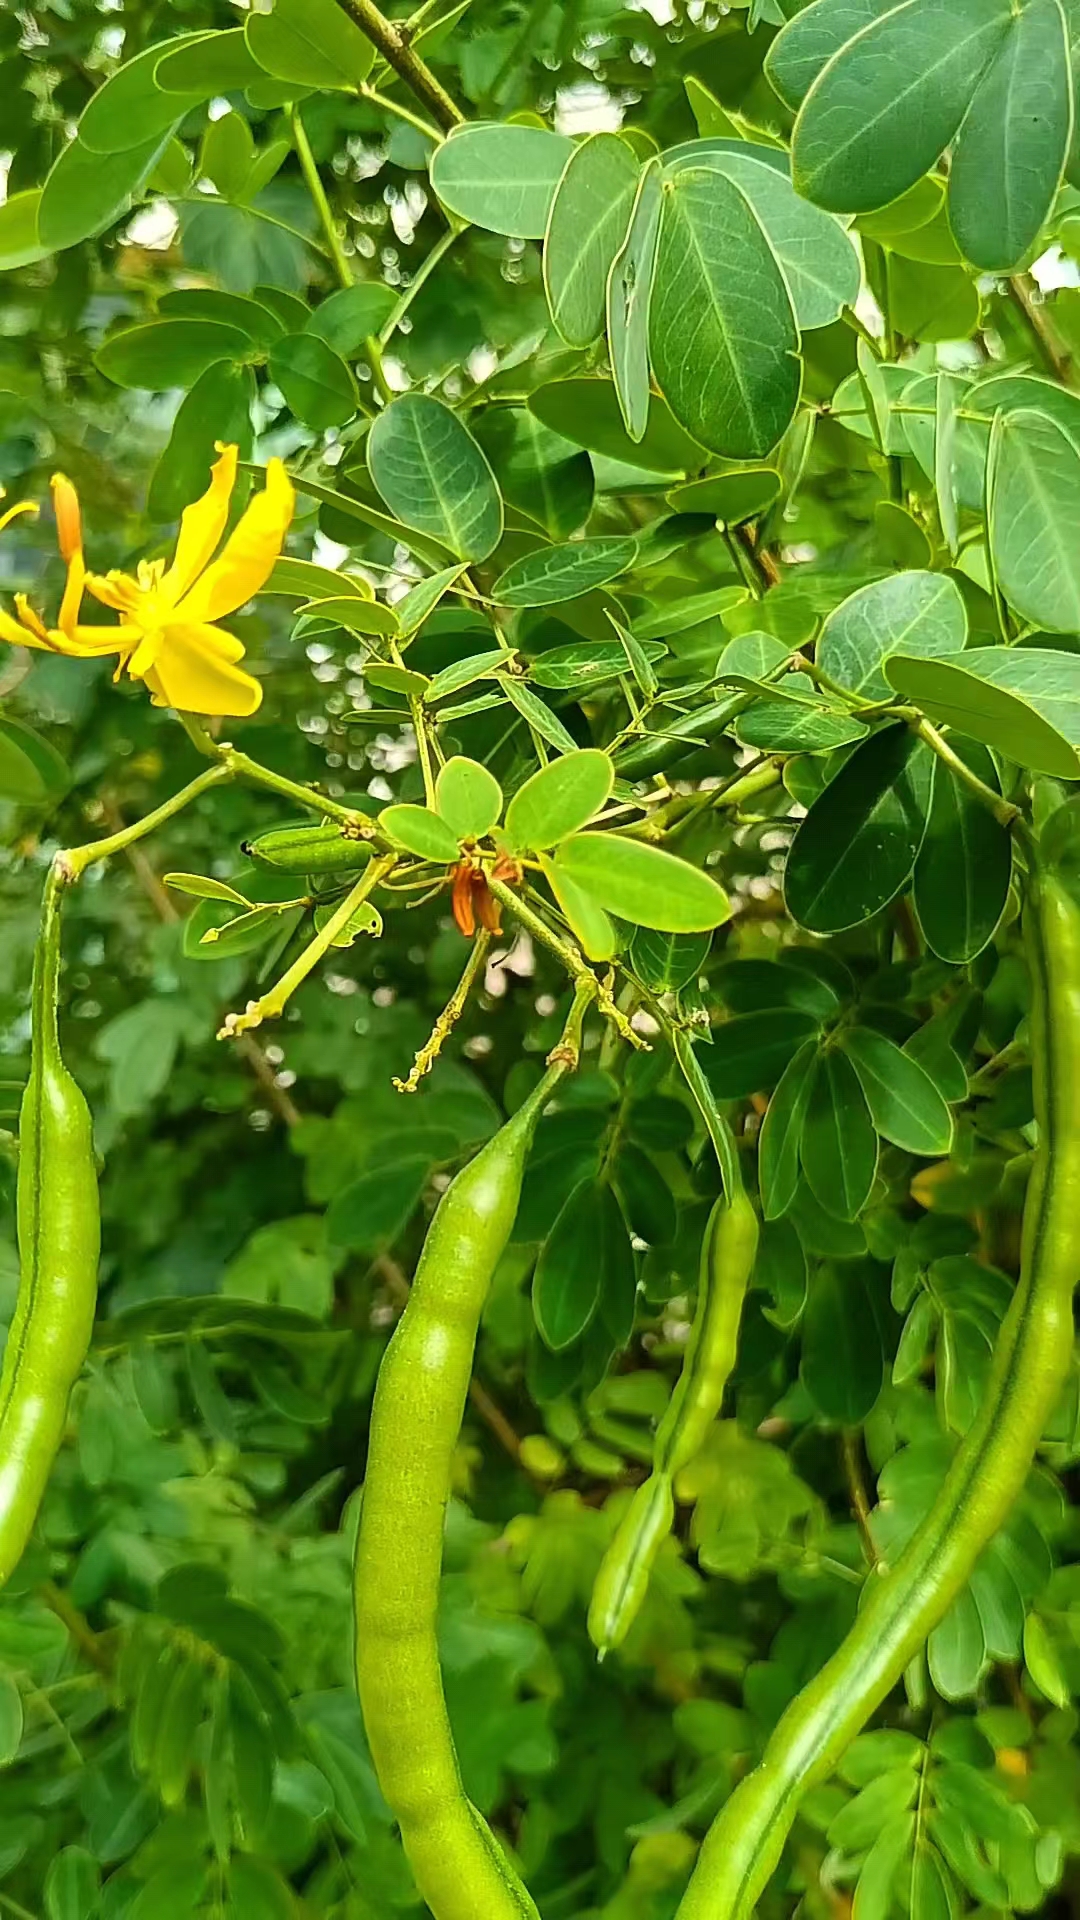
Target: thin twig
{"x":88,"y":1642}
{"x":860,"y":1505}
{"x":396,"y":50}
{"x":1056,"y":354}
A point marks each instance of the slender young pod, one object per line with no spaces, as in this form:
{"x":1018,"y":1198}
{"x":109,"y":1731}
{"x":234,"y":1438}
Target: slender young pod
{"x":59,"y":1238}
{"x":423,"y":1381}
{"x":727,"y":1262}
{"x":988,"y":1471}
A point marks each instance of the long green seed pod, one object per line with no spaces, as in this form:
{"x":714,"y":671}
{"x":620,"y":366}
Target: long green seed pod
{"x":1031,"y":1360}
{"x":419,"y":1402}
{"x":728,"y":1253}
{"x":59,"y":1239}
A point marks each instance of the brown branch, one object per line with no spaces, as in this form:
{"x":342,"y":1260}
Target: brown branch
{"x":392,"y":42}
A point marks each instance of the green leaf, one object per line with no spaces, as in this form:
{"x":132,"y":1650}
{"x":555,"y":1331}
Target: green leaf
{"x":433,"y":476}
{"x":931,"y":302}
{"x":359,"y":615}
{"x":227,"y":155}
{"x":732,"y":379}
{"x":311,"y":42}
{"x":501,"y":178}
{"x":422,"y":832}
{"x":206,"y":64}
{"x":85,"y":192}
{"x":666,"y":962}
{"x":1023,"y":702}
{"x":537,"y":714}
{"x":909,"y":613}
{"x":130,"y":109}
{"x":643,"y":884}
{"x":629,"y":298}
{"x":839,"y":1146}
{"x":32,"y":773}
{"x":303,"y":580}
{"x":586,"y":663}
{"x":568,"y":1278}
{"x":430,"y":551}
{"x":201,"y":887}
{"x":1011,"y":153}
{"x":372,"y":1211}
{"x":351,"y":315}
{"x":413,"y":608}
{"x":72,"y":1885}
{"x":468,"y":798}
{"x":743,"y":494}
{"x":810,"y":40}
{"x":964,"y":869}
{"x":586,"y":411}
{"x":538,"y":471}
{"x":1041,"y":1662}
{"x":588,"y":922}
{"x":753,"y":1051}
{"x":230,"y":309}
{"x":559,"y":800}
{"x":169,"y":353}
{"x":11,"y":1719}
{"x":790,"y":725}
{"x":842,"y":1361}
{"x":904,"y":1103}
{"x":463,"y":673}
{"x":554,"y":574}
{"x":889,"y":101}
{"x":316,"y":382}
{"x":218,"y":408}
{"x":19,"y":242}
{"x":857,"y":847}
{"x":818,"y":261}
{"x":586,"y":227}
{"x":781,"y":1132}
{"x":1033,"y":484}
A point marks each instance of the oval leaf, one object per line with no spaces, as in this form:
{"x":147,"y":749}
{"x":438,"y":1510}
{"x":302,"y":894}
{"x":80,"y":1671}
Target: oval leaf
{"x":468,"y":797}
{"x":420,"y":831}
{"x":559,"y":800}
{"x":856,"y":849}
{"x":904,"y":1103}
{"x":433,"y":476}
{"x":643,"y":884}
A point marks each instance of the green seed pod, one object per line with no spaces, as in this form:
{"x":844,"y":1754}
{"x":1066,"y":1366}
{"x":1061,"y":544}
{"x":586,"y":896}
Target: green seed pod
{"x":327,"y":848}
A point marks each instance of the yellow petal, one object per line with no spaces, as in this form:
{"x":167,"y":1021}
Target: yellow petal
{"x":12,"y":513}
{"x":201,"y":527}
{"x":195,"y":673}
{"x":19,"y":635}
{"x":68,"y":517}
{"x":73,"y":592}
{"x":249,"y":554}
{"x":116,"y":590}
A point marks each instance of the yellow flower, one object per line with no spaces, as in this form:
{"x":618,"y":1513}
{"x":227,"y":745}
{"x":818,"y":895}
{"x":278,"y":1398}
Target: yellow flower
{"x":166,"y":634}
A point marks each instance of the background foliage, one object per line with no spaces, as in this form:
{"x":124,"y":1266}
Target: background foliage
{"x":177,"y":1717}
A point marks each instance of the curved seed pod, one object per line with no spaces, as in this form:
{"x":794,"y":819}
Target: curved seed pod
{"x":988,"y":1471}
{"x":419,"y":1401}
{"x":59,"y":1239}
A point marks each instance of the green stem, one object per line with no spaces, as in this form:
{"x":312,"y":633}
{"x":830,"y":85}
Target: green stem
{"x":242,"y":767}
{"x":317,"y":191}
{"x":342,"y":268}
{"x":719,"y":1131}
{"x":568,"y":955}
{"x":1003,"y":810}
{"x":73,"y":862}
{"x":395,"y":107}
{"x":271,"y":1005}
{"x":423,"y":272}
{"x":394,"y":43}
{"x":423,"y":749}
